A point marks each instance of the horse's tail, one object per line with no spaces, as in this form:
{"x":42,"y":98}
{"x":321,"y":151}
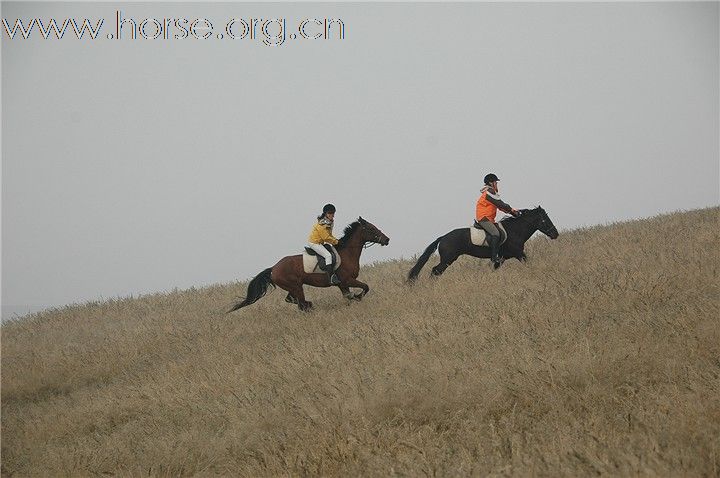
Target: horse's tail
{"x":412,"y":275}
{"x":257,"y":288}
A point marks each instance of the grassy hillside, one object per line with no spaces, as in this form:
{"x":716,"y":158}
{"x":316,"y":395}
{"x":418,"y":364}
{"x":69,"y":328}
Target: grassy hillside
{"x":602,"y":355}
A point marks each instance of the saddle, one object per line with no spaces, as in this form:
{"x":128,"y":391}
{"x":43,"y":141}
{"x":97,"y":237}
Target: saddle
{"x":312,"y":262}
{"x":478,"y":236}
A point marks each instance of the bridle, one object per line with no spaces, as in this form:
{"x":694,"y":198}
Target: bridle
{"x":370,"y":242}
{"x":373,"y":241}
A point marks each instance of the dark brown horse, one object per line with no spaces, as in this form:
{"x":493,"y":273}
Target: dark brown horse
{"x":289,"y":274}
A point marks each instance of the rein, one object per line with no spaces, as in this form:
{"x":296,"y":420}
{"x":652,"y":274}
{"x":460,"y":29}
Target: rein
{"x":365,"y":245}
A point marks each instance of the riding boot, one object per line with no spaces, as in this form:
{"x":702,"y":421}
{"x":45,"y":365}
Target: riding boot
{"x":330,"y":270}
{"x":494,"y":243}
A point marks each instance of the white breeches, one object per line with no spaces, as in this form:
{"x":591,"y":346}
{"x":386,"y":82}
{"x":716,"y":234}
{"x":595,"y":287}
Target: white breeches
{"x":320,"y":249}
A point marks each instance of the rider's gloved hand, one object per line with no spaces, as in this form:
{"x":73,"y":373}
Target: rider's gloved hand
{"x":515,"y":212}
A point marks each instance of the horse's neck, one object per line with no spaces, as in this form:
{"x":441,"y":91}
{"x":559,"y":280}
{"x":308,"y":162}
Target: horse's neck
{"x":353,"y":248}
{"x":522,"y":230}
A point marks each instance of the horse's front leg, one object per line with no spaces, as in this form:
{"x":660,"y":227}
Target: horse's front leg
{"x":346,"y":292}
{"x":356,"y":283}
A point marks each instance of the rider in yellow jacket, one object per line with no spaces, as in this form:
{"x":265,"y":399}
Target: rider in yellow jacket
{"x":320,"y":234}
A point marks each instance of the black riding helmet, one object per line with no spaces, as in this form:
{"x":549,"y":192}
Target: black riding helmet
{"x":490,"y":178}
{"x":328,"y":208}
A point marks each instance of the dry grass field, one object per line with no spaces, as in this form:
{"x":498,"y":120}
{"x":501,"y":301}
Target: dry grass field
{"x":600,"y":356}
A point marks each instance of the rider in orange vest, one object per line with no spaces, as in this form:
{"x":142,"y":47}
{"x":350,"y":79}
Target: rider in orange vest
{"x":487,"y":205}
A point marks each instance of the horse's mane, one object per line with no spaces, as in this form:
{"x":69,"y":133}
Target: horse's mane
{"x":512,"y":219}
{"x":347,"y":234}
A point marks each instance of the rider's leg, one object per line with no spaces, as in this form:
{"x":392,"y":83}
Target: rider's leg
{"x":334,"y":279}
{"x":330,"y":269}
{"x":329,"y":263}
{"x":321,"y":251}
{"x":493,"y":239}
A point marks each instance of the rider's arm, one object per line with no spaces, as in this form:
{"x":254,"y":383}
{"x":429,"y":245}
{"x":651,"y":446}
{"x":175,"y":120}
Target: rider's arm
{"x":327,"y":236}
{"x":499,"y":203}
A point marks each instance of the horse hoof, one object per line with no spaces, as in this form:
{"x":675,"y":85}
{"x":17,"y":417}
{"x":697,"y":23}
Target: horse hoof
{"x":358,"y":297}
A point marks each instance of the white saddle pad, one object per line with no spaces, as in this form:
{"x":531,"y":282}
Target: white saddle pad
{"x":479,"y":237}
{"x":310,"y":263}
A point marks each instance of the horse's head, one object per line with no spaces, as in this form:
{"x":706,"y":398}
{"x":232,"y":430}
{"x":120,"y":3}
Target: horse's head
{"x":542,"y":222}
{"x":370,"y":233}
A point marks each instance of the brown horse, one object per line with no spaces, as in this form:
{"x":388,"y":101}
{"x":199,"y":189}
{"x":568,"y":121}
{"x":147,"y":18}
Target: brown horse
{"x":288,"y":273}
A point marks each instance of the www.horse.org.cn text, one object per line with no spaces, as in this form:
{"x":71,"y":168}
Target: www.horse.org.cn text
{"x":267,"y":31}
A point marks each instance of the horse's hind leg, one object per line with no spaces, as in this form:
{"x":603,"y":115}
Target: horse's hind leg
{"x":444,"y":264}
{"x":439,"y":269}
{"x":299,"y":295}
{"x":295,"y":295}
{"x":447,"y":257}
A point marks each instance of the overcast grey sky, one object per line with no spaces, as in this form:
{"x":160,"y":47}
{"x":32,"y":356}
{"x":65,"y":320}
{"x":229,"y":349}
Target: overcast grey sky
{"x":137,"y":166}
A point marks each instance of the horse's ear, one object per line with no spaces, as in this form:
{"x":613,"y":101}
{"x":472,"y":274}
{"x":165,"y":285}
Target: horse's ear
{"x":361,"y":220}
